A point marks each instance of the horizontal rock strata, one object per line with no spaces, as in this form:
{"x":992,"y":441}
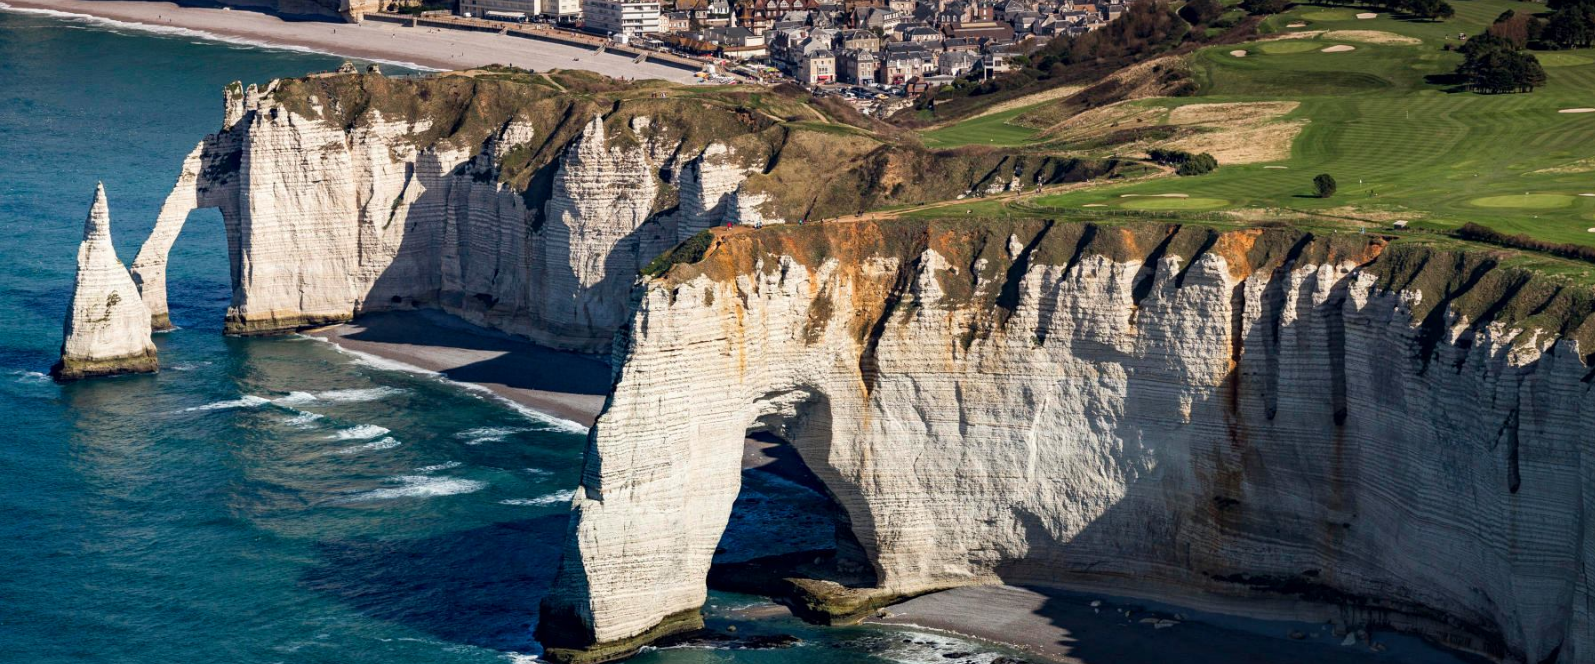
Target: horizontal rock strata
{"x":107,"y":329}
{"x":1174,"y":412}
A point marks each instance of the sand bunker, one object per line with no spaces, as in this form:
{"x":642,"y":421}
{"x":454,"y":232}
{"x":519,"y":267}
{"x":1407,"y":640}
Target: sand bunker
{"x":1339,"y":48}
{"x":1154,"y":195}
{"x":1295,"y":25}
{"x":1592,"y":230}
{"x":1588,"y":195}
{"x":1367,"y":15}
{"x":1577,"y":110}
{"x":1238,"y":54}
{"x":1095,"y":205}
{"x":1277,"y":167}
{"x":1372,"y":37}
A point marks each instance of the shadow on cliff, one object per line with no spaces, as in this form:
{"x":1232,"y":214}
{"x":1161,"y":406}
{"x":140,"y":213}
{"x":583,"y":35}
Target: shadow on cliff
{"x":479,"y":587}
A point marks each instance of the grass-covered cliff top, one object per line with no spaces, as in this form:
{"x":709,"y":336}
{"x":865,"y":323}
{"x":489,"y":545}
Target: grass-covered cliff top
{"x":808,"y":157}
{"x":1478,"y":282}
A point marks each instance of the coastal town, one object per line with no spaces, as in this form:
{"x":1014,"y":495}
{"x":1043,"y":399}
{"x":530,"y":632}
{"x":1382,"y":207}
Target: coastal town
{"x":876,"y":53}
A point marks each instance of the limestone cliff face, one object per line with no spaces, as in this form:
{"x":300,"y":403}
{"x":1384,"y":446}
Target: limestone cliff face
{"x":508,"y":198}
{"x":1401,"y":433}
{"x":107,"y":327}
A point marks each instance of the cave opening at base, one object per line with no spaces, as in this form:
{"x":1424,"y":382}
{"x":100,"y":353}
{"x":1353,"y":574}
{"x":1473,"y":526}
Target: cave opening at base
{"x":786,"y":532}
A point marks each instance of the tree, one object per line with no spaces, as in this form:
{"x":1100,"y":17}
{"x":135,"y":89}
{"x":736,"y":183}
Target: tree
{"x":1494,"y":65}
{"x":1265,"y":6}
{"x":1571,"y":27}
{"x":1430,"y":9}
{"x":1324,"y":185}
{"x":1197,"y":164}
{"x":1201,"y":12}
{"x":1513,"y":27}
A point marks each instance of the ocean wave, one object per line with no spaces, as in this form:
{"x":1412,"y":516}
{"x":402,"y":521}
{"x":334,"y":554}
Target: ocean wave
{"x":418,"y":486}
{"x":358,"y":395}
{"x":554,"y":498}
{"x":384,"y":444}
{"x":31,"y":376}
{"x":303,"y":420}
{"x":246,"y":401}
{"x":115,"y":25}
{"x":539,"y":472}
{"x":481,"y":435}
{"x":437,"y":467}
{"x":360,"y":432}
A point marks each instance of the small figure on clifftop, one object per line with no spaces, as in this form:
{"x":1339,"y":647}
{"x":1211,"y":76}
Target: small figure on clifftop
{"x":107,"y":325}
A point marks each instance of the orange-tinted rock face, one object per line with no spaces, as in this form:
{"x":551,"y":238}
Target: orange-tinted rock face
{"x":1197,"y":415}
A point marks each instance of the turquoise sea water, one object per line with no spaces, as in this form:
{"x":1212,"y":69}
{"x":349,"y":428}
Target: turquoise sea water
{"x":260,"y":500}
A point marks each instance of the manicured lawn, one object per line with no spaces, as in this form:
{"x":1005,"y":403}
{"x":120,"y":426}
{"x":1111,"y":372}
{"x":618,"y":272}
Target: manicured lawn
{"x":1400,"y":145}
{"x":988,"y":130}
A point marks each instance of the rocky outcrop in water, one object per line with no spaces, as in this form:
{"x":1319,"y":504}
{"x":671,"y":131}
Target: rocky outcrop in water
{"x":509,"y":199}
{"x":1262,"y":421}
{"x":107,"y":326}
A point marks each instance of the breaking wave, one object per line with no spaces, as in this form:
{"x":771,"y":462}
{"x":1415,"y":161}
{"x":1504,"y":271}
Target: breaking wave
{"x":361,"y":432}
{"x":246,"y":401}
{"x":384,"y":444}
{"x":437,"y":467}
{"x":418,"y":486}
{"x":554,"y":498}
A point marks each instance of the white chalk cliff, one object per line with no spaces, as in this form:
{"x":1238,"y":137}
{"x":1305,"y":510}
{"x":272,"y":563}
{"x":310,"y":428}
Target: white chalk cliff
{"x":107,"y":326}
{"x":505,"y":202}
{"x":1300,"y":422}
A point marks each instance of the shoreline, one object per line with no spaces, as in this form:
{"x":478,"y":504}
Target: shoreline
{"x":384,"y":43}
{"x":557,"y":385}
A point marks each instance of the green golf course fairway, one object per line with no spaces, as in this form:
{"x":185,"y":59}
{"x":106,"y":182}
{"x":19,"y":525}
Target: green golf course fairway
{"x":1173,"y":203}
{"x":1289,"y":46}
{"x":1525,"y":201}
{"x":1399,"y":145}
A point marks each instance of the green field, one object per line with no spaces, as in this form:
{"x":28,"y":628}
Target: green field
{"x":991,"y":130}
{"x":1400,"y":146}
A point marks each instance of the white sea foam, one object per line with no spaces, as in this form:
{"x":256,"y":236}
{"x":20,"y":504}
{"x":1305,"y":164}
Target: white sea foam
{"x":437,"y":467}
{"x":538,"y":472}
{"x":358,"y":395}
{"x":31,"y":376}
{"x":418,"y":486}
{"x":554,"y":498}
{"x":171,"y":31}
{"x":481,"y":435}
{"x":383,"y":444}
{"x":246,"y":401}
{"x":518,"y":658}
{"x":303,"y":420}
{"x":360,"y":432}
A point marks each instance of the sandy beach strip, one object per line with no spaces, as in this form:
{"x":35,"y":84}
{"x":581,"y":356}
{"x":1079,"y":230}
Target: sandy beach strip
{"x":421,"y":47}
{"x":1084,"y":628}
{"x":568,"y":386}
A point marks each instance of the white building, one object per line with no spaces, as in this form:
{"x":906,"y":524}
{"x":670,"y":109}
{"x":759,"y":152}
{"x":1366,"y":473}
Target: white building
{"x":480,"y":8}
{"x":621,"y":17}
{"x":568,"y":10}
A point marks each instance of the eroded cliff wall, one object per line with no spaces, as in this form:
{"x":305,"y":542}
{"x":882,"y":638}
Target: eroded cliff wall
{"x":524,"y":202}
{"x":1182,"y":413}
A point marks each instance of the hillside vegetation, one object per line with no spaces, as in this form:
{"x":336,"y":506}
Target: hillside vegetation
{"x":1374,"y":102}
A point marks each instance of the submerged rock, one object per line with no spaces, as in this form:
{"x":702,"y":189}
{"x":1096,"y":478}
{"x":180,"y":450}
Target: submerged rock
{"x":107,"y":327}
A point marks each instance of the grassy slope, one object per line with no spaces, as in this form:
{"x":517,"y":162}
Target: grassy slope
{"x":1398,"y":145}
{"x":992,"y":130}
